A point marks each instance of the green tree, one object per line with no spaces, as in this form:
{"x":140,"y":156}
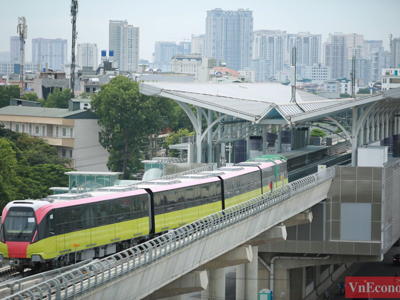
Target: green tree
{"x":58,"y":99}
{"x":345,"y":96}
{"x":31,"y":97}
{"x":9,"y":180}
{"x":127,"y":119}
{"x":7,"y":92}
{"x":316,"y":132}
{"x":363,"y":91}
{"x":175,"y":138}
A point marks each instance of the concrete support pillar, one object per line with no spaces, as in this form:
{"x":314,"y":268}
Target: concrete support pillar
{"x":251,"y":275}
{"x":361,"y":137}
{"x":308,"y":135}
{"x":264,"y":139}
{"x":367,"y":137}
{"x":198,"y":134}
{"x":230,"y":143}
{"x":297,"y":284}
{"x":216,"y":285}
{"x":291,"y":137}
{"x":282,"y":286}
{"x":210,"y":140}
{"x":354,"y":138}
{"x":247,"y":143}
{"x":398,"y":125}
{"x":240,"y":281}
{"x":279,"y":145}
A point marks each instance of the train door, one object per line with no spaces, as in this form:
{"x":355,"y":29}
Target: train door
{"x":61,"y":229}
{"x":159,"y":211}
{"x":172,"y":213}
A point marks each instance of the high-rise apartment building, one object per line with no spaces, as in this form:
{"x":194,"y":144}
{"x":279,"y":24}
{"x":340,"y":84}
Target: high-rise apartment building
{"x":4,"y":55}
{"x":87,"y":55}
{"x":54,"y":52}
{"x":14,"y":48}
{"x":363,"y":70}
{"x":198,"y":44}
{"x":335,"y":55}
{"x":380,"y":60}
{"x":184,"y":48}
{"x":124,"y":41}
{"x":165,"y":51}
{"x":270,"y":45}
{"x":308,"y":48}
{"x":371,"y":46}
{"x":354,"y":44}
{"x":229,"y":37}
{"x":395,"y":53}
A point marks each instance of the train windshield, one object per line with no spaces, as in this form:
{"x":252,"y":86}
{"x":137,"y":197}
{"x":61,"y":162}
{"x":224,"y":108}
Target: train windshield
{"x":19,"y":224}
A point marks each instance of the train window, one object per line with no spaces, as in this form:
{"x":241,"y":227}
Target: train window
{"x":196,"y":193}
{"x":125,"y":209}
{"x":205,"y":194}
{"x":182,"y":195}
{"x":50,"y":224}
{"x":62,"y":221}
{"x":89,"y":217}
{"x":189,"y":194}
{"x":76,"y":218}
{"x":101,"y":212}
{"x":159,"y":199}
{"x":173,"y":197}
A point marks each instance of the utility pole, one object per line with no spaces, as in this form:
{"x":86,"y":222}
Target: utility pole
{"x":74,"y":12}
{"x":22,"y":30}
{"x":353,"y":77}
{"x":293,"y":76}
{"x":390,"y":49}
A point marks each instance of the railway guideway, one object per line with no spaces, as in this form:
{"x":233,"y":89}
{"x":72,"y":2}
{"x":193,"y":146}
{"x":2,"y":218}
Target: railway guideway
{"x":139,"y":271}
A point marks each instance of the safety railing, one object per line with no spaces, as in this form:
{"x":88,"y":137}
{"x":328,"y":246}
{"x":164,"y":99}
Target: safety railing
{"x":98,"y":273}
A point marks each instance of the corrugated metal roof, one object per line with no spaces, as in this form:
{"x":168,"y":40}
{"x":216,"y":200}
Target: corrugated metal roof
{"x":38,"y":111}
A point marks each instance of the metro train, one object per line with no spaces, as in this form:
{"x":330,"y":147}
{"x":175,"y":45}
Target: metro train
{"x":44,"y":233}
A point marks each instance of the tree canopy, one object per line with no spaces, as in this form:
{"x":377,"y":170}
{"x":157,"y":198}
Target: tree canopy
{"x":7,"y":92}
{"x":28,"y":167}
{"x":127,"y":119}
{"x":57,"y":99}
{"x":316,"y":132}
{"x":175,"y":138}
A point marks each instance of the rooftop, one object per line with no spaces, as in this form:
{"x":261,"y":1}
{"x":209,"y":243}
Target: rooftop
{"x":40,"y":112}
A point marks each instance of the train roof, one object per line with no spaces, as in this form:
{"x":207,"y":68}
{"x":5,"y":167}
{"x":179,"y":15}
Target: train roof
{"x":35,"y":204}
{"x":183,"y":182}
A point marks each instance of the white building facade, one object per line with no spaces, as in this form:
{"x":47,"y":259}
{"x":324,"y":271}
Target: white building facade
{"x":187,"y":64}
{"x":390,"y":79}
{"x":199,"y":44}
{"x":335,"y":55}
{"x":318,"y":73}
{"x":395,"y":53}
{"x":53,"y":52}
{"x":87,"y":55}
{"x":308,"y":48}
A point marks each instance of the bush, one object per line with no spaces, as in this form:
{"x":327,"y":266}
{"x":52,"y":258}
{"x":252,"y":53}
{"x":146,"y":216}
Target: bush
{"x":317,"y":133}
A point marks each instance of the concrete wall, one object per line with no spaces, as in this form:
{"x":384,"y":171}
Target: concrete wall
{"x":88,"y":154}
{"x":348,"y":222}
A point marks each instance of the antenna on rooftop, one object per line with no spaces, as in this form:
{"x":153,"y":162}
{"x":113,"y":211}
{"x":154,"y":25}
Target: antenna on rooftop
{"x":293,"y":76}
{"x":22,"y":30}
{"x":390,"y":49}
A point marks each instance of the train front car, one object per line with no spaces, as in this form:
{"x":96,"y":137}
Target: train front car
{"x":19,"y":232}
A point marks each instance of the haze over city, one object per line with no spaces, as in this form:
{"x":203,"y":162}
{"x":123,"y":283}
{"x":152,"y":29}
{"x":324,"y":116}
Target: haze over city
{"x":177,"y":19}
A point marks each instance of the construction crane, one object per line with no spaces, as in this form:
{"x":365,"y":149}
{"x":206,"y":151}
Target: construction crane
{"x":22,"y":30}
{"x":74,"y":12}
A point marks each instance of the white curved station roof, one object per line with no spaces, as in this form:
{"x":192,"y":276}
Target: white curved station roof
{"x":255,"y":102}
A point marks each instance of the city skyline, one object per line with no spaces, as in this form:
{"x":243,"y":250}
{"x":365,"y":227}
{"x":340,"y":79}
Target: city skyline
{"x":155,"y":24}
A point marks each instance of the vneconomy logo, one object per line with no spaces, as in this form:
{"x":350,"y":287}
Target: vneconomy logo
{"x":373,"y":287}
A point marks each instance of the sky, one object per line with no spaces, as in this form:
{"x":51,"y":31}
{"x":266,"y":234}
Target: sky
{"x":173,"y":20}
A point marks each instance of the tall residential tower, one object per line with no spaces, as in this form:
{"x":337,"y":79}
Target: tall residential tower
{"x":87,"y":55}
{"x":124,"y":41}
{"x":229,"y":37}
{"x":53,"y":52}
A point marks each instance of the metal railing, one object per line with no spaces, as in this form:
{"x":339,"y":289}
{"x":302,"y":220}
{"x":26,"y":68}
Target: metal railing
{"x":98,"y":273}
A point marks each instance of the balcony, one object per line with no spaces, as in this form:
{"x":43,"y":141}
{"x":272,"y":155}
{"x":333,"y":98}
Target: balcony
{"x":57,"y":140}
